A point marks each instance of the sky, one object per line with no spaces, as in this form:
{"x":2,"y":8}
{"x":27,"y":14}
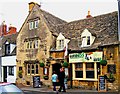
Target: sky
{"x":15,"y":11}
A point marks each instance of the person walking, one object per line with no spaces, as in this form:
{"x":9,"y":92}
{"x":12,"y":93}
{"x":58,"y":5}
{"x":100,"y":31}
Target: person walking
{"x":61,"y":78}
{"x":54,"y":80}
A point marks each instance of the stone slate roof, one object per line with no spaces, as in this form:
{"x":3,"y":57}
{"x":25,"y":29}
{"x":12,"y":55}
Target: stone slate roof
{"x":49,"y":19}
{"x":104,"y":27}
{"x":11,"y":39}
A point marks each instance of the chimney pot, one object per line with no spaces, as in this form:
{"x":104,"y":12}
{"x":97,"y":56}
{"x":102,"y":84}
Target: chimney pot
{"x":31,"y":5}
{"x":88,"y":16}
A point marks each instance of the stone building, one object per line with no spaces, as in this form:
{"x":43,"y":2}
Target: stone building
{"x":89,"y":42}
{"x":36,"y":38}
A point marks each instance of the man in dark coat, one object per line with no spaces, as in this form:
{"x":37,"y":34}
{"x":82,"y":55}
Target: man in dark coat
{"x":61,"y":77}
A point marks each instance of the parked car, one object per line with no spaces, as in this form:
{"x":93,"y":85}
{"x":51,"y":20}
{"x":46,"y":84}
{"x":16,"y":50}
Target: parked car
{"x":9,"y":88}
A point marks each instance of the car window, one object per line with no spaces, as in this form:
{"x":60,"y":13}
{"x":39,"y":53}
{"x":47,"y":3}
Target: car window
{"x":10,"y":88}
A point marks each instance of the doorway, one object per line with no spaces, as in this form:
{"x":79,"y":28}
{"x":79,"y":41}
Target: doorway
{"x":5,"y":74}
{"x":56,"y":67}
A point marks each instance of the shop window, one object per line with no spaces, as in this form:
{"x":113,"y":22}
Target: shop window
{"x":89,"y":74}
{"x":79,"y":70}
{"x":79,"y":74}
{"x":11,"y":70}
{"x":90,"y":70}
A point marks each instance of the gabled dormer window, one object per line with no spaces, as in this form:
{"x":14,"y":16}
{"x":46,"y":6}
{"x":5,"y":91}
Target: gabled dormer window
{"x":87,"y":38}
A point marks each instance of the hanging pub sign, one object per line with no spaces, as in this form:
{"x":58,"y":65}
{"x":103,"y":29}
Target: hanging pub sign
{"x":85,"y":57}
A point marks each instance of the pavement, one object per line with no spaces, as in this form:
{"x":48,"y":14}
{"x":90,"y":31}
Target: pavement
{"x":44,"y":89}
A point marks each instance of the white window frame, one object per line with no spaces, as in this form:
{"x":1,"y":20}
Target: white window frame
{"x":31,"y":25}
{"x":36,"y":24}
{"x":61,"y":44}
{"x":11,"y":70}
{"x":85,"y":40}
{"x":84,"y":72}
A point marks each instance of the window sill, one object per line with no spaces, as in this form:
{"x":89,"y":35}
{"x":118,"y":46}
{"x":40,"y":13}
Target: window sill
{"x":87,"y":79}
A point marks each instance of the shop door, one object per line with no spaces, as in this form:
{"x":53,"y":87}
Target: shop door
{"x":5,"y":74}
{"x":56,"y":67}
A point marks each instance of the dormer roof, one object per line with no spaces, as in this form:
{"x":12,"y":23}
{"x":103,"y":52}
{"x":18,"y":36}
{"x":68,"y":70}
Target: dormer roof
{"x":103,"y":27}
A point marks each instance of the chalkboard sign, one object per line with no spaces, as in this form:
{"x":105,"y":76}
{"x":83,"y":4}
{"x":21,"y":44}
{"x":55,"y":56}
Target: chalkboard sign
{"x":101,"y":83}
{"x":36,"y":81}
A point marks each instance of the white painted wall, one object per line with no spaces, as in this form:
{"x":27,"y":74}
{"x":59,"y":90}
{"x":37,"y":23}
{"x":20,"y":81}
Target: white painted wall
{"x":9,"y":61}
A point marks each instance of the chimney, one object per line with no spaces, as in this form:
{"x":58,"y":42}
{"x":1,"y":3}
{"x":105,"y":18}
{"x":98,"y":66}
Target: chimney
{"x":4,"y":28}
{"x":31,"y":5}
{"x":12,"y":30}
{"x":88,"y":16}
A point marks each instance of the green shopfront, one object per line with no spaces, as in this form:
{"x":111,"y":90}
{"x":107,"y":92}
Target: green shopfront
{"x":85,"y":68}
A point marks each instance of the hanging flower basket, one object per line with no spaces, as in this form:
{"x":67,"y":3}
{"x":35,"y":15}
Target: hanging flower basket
{"x":20,"y":73}
{"x":103,"y":62}
{"x":46,"y":77}
{"x":111,"y":78}
{"x":42,"y":64}
{"x":65,"y":64}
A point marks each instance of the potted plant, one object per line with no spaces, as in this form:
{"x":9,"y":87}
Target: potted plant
{"x":65,"y":64}
{"x":46,"y":77}
{"x":103,"y":62}
{"x":111,"y":78}
{"x":20,"y":73}
{"x":42,"y":64}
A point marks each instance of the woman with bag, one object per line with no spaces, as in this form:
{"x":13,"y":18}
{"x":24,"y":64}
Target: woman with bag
{"x":54,"y":80}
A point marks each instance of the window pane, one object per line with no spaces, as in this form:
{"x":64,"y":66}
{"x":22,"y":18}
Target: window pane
{"x":11,"y":70}
{"x":90,"y":66}
{"x":7,"y":49}
{"x":80,"y":65}
{"x":30,"y":44}
{"x":88,"y":40}
{"x":28,"y":69}
{"x":89,"y":74}
{"x":36,"y":69}
{"x":32,"y":69}
{"x":36,"y":24}
{"x":61,"y":44}
{"x":27,"y":44}
{"x":79,"y":74}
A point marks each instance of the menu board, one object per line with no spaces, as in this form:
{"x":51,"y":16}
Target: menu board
{"x":101,"y":83}
{"x":36,"y":81}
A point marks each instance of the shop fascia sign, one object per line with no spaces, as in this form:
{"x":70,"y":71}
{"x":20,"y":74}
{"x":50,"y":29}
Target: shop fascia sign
{"x":85,"y":57}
